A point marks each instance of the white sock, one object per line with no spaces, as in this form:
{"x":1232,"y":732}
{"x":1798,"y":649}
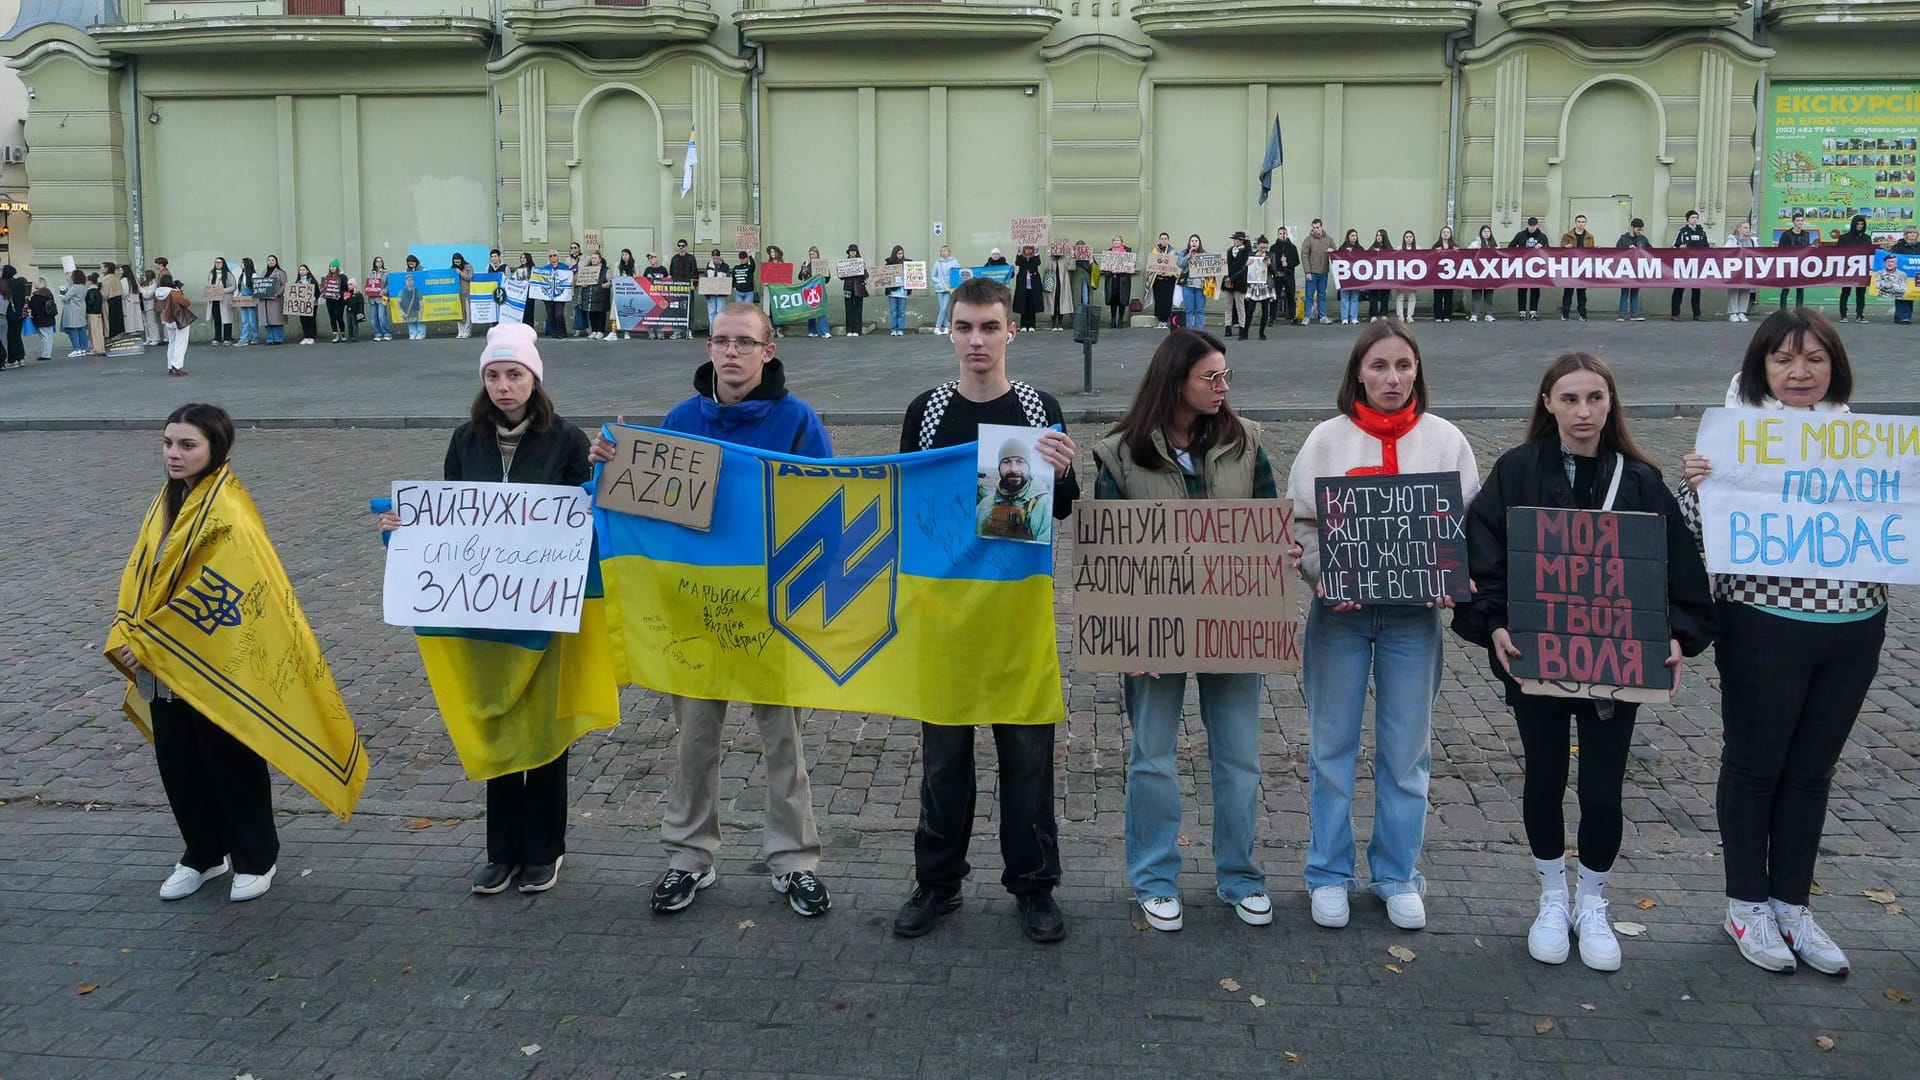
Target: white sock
{"x":1590,"y":883}
{"x":1553,"y":874}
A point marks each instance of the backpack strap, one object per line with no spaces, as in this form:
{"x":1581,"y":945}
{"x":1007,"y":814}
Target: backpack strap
{"x":1031,"y":404}
{"x":937,"y":403}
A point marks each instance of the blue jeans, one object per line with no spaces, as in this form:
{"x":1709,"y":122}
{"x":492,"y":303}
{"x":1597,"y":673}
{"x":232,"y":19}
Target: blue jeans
{"x":897,"y":309}
{"x":714,"y":304}
{"x":940,"y":320}
{"x":249,"y":325}
{"x":1903,"y":311}
{"x":77,"y":337}
{"x":743,"y":297}
{"x":1629,"y":302}
{"x":1316,"y":296}
{"x":1193,"y":306}
{"x":579,"y":319}
{"x":381,"y":318}
{"x":1230,"y":711}
{"x":416,"y":331}
{"x":277,"y":335}
{"x":819,"y":326}
{"x":1349,"y":305}
{"x":1400,"y":647}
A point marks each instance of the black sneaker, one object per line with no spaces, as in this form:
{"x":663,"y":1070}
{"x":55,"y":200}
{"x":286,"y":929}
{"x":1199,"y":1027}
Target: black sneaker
{"x":1040,"y":917}
{"x":541,"y":877}
{"x":917,"y":915}
{"x":493,"y":878}
{"x":676,"y":889}
{"x":805,"y":893}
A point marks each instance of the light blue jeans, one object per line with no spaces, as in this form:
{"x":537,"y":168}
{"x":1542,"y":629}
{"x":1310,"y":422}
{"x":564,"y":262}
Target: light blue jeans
{"x":714,"y":304}
{"x":382,"y":319}
{"x":1193,"y":307}
{"x":1316,"y":296}
{"x":1230,"y":711}
{"x":743,"y":297}
{"x":1350,"y":305}
{"x":416,"y":331}
{"x":940,"y":320}
{"x":1629,"y":302}
{"x":897,"y":309}
{"x":249,"y":325}
{"x":819,"y":326}
{"x":1400,"y":647}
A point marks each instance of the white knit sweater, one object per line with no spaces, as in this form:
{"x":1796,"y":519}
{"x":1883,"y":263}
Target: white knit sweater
{"x":1338,"y":446}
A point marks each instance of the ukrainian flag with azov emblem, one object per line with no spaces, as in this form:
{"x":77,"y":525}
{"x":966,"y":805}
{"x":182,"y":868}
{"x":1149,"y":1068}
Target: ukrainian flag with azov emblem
{"x":849,"y":583}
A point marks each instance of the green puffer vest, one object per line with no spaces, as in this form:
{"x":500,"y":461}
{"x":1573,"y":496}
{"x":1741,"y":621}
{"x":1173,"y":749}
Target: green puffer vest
{"x":1228,"y":475}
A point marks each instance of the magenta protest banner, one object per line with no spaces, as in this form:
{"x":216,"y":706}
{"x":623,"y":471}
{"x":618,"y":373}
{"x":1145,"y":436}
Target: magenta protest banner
{"x":1590,"y":268}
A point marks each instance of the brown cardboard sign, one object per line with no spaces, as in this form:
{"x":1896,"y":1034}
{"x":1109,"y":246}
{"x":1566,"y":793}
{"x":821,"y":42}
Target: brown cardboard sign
{"x":886,"y":275}
{"x":1059,"y":248}
{"x":1184,"y":585}
{"x":846,"y":268}
{"x":301,"y":297}
{"x":1163,"y":264}
{"x":1028,"y":230}
{"x":1117,"y":262}
{"x":660,"y":476}
{"x":715,"y":286}
{"x":591,"y":240}
{"x":747,"y":238}
{"x":214,"y":293}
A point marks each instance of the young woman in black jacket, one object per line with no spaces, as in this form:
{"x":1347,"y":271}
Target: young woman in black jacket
{"x":1855,"y":236}
{"x":1578,"y":455}
{"x":514,"y":436}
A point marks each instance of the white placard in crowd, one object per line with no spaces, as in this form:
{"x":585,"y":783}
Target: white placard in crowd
{"x":1826,"y":495}
{"x":489,"y":556}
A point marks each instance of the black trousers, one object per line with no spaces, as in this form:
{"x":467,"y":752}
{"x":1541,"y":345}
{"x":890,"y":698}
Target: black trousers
{"x":1567,"y":298}
{"x":221,"y":795}
{"x":1676,"y":302}
{"x":854,"y":319}
{"x":1163,"y":299}
{"x":1799,"y":298}
{"x":1859,"y":297}
{"x":1789,"y":694}
{"x":1284,"y":298}
{"x":557,"y":319}
{"x":527,"y":815}
{"x":1443,"y":303}
{"x":16,"y":348}
{"x":116,"y":317}
{"x":1377,"y":304}
{"x":309,"y":325}
{"x":336,"y":316}
{"x":597,"y":321}
{"x":1029,"y":837}
{"x":222,"y":330}
{"x":1544,"y":724}
{"x":1529,"y":300}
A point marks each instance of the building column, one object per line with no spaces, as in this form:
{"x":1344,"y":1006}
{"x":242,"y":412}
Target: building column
{"x":350,"y":255}
{"x":1333,"y":139}
{"x":289,"y":196}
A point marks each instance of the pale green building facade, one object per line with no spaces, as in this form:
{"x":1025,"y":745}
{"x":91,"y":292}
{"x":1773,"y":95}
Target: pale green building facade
{"x":321,"y":129}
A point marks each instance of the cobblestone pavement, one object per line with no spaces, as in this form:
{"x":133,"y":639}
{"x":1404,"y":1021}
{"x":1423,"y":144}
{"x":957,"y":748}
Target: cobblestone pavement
{"x":1474,"y":369}
{"x":379,"y":964}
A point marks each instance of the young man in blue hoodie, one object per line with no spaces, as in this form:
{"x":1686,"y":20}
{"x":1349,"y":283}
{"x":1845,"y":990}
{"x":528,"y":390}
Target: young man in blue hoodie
{"x":742,"y":398}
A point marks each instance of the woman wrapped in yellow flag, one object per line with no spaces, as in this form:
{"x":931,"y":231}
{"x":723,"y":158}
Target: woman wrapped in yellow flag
{"x":226,"y":675}
{"x":514,"y":701}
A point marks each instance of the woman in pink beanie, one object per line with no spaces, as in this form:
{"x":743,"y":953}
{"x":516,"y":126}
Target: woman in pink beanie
{"x":514,"y":436}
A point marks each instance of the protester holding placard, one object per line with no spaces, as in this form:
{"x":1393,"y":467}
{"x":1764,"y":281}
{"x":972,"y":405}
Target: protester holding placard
{"x":854,"y":289}
{"x":1234,"y":283}
{"x":1691,"y":235}
{"x":1180,"y":440}
{"x":309,"y":320}
{"x":272,"y":291}
{"x":1160,"y":283}
{"x":223,"y":672}
{"x":1480,"y":301}
{"x":1350,"y":298}
{"x":1579,"y":455}
{"x":742,"y":272}
{"x":333,"y":292}
{"x":1286,"y":260}
{"x":897,"y":295}
{"x":1260,"y":275}
{"x":1028,"y":292}
{"x":463,"y":273}
{"x":1796,"y":657}
{"x":741,"y":398}
{"x":1856,"y":236}
{"x":943,"y":268}
{"x":1577,"y":237}
{"x":219,"y":312}
{"x":1533,"y":238}
{"x":1740,"y":301}
{"x":517,"y":699}
{"x":1316,"y":250}
{"x":1119,"y":287}
{"x":1193,"y":290}
{"x":816,"y":266}
{"x":594,"y":285}
{"x":408,"y":301}
{"x":374,"y":287}
{"x":1056,"y":286}
{"x":1635,"y":239}
{"x":1383,"y":430}
{"x":950,"y":415}
{"x":73,"y":313}
{"x":1443,"y":298}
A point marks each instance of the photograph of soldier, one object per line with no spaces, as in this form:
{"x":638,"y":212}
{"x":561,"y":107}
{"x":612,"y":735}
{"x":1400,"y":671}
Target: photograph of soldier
{"x":1015,"y":503}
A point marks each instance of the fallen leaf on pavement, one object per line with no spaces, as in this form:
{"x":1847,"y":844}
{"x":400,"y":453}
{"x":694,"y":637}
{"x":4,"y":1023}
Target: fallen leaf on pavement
{"x":1816,"y":890}
{"x":1894,"y":909}
{"x":305,"y":873}
{"x":744,"y":924}
{"x":407,"y":970}
{"x":1824,"y":1042}
{"x":1401,"y":953}
{"x":1645,"y":905}
{"x":1313,"y":976}
{"x":1878,"y":896}
{"x":275,"y":977}
{"x":416,"y":824}
{"x":1229,"y":986}
{"x":88,"y":988}
{"x":1257,"y":1001}
{"x":1396,"y":969}
{"x":1588,"y":1007}
{"x":530,"y":1049}
{"x":1543,"y":1025}
{"x":1897,"y":995}
{"x":677,"y":1076}
{"x":1630,"y":929}
{"x":1292,"y":1058}
{"x":451,"y":821}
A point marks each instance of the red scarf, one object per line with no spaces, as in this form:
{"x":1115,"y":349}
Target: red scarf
{"x":1388,"y":428}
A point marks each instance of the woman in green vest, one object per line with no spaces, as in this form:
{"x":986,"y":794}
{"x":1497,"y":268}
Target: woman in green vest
{"x":1180,"y":440}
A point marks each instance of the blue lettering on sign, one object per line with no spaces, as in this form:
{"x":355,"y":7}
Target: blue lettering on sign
{"x":1781,"y":539}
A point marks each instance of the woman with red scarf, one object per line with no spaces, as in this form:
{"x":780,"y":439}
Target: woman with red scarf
{"x":1384,"y":429}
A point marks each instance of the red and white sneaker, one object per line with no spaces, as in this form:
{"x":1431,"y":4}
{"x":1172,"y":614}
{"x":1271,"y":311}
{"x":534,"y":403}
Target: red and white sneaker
{"x":1807,"y":940}
{"x":1752,"y":927}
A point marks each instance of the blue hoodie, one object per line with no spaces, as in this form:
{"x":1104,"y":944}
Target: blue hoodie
{"x":768,"y":419}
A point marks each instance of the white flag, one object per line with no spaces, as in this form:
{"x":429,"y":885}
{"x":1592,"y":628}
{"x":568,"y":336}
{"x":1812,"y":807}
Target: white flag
{"x":693,"y":158}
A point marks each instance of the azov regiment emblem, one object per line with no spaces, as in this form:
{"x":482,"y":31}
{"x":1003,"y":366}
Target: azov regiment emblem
{"x":833,"y":560}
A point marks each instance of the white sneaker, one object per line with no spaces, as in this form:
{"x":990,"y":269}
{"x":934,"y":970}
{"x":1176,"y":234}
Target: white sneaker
{"x":306,"y":341}
{"x":1324,"y":321}
{"x":853,"y":333}
{"x":252,"y":886}
{"x":185,"y":880}
{"x":76,"y":352}
{"x":1255,"y":910}
{"x":1547,"y":941}
{"x":1473,"y":318}
{"x":1751,"y":926}
{"x":1163,"y":913}
{"x":1407,"y":911}
{"x":1599,"y":949}
{"x":1807,"y":940}
{"x":1330,"y":907}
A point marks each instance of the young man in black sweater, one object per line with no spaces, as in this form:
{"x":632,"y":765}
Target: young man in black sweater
{"x":981,"y":328}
